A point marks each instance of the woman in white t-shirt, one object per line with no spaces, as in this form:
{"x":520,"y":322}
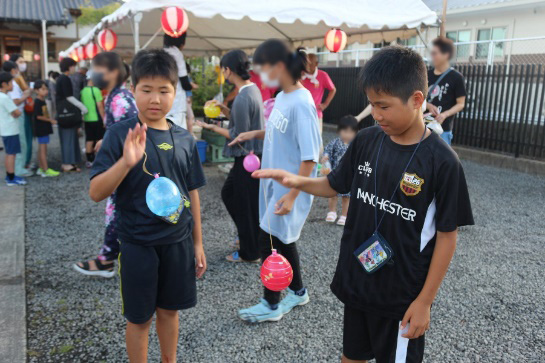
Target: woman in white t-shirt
{"x":178,"y":113}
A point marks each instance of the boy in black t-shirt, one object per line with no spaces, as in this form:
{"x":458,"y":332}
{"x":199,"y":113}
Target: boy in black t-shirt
{"x":42,"y":128}
{"x":158,"y":257}
{"x":408,"y":197}
{"x":446,"y":87}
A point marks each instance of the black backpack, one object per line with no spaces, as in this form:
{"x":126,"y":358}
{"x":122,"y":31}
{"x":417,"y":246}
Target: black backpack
{"x":68,"y":115}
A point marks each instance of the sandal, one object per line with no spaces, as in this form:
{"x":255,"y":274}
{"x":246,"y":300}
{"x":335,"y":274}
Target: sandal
{"x":341,"y":221}
{"x":103,"y":270}
{"x":235,"y":244}
{"x":73,"y":169}
{"x":234,"y":257}
{"x":331,"y":217}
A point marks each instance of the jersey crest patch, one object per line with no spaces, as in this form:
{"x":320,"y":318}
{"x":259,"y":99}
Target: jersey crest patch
{"x":411,"y":184}
{"x":164,"y":146}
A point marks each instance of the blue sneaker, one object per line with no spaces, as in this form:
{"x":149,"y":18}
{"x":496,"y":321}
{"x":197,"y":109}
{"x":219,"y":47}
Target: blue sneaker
{"x":292,"y":300}
{"x":17,"y":180}
{"x":260,"y":313}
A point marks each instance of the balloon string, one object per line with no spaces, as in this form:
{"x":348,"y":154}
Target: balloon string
{"x":242,"y":147}
{"x":268,"y":215}
{"x":144,"y":164}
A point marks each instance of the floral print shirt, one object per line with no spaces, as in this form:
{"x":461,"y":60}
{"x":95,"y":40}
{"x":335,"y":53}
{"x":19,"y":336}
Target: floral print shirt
{"x":120,"y":105}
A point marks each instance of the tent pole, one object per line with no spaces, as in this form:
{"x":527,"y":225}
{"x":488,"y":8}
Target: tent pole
{"x":152,"y":38}
{"x":44,"y":40}
{"x":137,"y":18}
{"x":443,"y":19}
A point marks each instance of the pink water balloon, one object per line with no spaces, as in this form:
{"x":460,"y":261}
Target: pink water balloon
{"x":251,"y":162}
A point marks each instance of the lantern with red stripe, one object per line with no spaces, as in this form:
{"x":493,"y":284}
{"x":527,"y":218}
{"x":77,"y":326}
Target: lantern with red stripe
{"x":37,"y":57}
{"x":107,"y":39}
{"x":91,"y":50}
{"x":80,"y":51}
{"x":174,"y":21}
{"x":74,"y":55}
{"x":276,"y":272}
{"x":335,"y":40}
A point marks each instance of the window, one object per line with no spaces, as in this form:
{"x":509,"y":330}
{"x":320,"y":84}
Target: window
{"x":411,"y":42}
{"x":460,"y":36}
{"x":490,"y":34}
{"x":51,"y":52}
{"x":380,"y":45}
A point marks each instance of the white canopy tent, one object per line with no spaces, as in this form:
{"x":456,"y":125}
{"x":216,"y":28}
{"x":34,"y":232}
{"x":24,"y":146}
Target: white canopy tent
{"x":216,"y":26}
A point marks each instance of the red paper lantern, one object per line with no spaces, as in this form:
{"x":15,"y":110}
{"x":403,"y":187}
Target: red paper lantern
{"x":80,"y":51}
{"x":74,"y":55}
{"x":107,"y":39}
{"x":174,"y":21}
{"x":335,"y":40}
{"x":276,"y":272}
{"x":37,"y":57}
{"x":6,"y":57}
{"x":91,"y":50}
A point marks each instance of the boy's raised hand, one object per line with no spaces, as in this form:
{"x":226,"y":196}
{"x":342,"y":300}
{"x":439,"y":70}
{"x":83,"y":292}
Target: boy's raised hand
{"x":135,"y":145}
{"x":288,"y":180}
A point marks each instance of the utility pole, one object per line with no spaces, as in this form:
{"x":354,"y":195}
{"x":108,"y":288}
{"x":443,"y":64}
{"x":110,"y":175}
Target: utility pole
{"x":443,"y":19}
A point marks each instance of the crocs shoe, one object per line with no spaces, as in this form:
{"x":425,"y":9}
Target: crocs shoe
{"x":260,"y":313}
{"x":341,"y":221}
{"x":235,"y":257}
{"x":292,"y":300}
{"x":331,"y":217}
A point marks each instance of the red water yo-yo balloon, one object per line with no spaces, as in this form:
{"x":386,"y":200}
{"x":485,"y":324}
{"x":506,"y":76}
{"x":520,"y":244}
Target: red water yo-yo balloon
{"x":251,"y":162}
{"x":276,"y":272}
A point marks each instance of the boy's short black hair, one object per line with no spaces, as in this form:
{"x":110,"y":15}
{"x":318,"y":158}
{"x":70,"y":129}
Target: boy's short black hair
{"x":397,"y":71}
{"x":445,"y":46}
{"x":154,"y":63}
{"x":5,"y":77}
{"x":8,"y":66}
{"x":347,"y":122}
{"x":39,"y":84}
{"x":66,"y":63}
{"x":169,"y":41}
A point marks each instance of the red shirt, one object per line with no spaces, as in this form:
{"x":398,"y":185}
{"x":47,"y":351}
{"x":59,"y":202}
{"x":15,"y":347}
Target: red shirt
{"x":317,"y":90}
{"x":266,"y":92}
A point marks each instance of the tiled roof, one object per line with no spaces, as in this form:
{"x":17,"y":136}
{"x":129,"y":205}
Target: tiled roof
{"x":33,"y":11}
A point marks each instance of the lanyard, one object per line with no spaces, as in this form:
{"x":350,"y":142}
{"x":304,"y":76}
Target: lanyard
{"x":377,"y":222}
{"x":163,"y":169}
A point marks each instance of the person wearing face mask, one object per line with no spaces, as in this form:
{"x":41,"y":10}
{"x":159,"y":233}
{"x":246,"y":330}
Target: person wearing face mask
{"x":27,"y":114}
{"x":178,"y":113}
{"x":19,"y":96}
{"x":240,"y":193}
{"x":291,"y":142}
{"x":70,"y":150}
{"x":109,"y":73}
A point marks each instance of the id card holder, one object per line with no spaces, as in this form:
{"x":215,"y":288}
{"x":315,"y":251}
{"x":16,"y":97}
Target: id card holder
{"x":374,"y":253}
{"x":174,"y":217}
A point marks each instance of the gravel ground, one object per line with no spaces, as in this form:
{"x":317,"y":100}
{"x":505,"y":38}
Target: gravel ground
{"x":490,"y":308}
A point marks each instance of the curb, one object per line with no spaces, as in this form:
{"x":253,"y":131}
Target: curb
{"x":13,"y":340}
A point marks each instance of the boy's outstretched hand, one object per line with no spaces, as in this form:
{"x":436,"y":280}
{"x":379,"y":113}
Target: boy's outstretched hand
{"x":418,"y":315}
{"x":135,"y":145}
{"x":288,"y":180}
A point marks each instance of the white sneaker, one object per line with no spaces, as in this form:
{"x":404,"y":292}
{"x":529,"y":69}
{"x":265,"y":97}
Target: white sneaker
{"x":25,"y":173}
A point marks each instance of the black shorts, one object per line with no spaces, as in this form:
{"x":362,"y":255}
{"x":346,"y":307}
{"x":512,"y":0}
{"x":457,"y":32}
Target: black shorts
{"x":367,"y":336}
{"x":94,"y":130}
{"x":156,"y":277}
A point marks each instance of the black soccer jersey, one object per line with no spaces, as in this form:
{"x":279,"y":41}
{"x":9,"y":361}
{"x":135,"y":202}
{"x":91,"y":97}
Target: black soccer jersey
{"x":431,"y":196}
{"x":444,"y":95}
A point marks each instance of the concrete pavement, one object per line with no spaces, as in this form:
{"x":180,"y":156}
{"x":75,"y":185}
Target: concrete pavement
{"x":12,"y":271}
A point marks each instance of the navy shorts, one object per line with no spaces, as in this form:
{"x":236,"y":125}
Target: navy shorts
{"x":12,"y":144}
{"x":43,"y":139}
{"x":368,"y":335}
{"x":156,"y":277}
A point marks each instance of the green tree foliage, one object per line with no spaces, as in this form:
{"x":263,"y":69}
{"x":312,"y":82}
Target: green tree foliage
{"x":208,"y":85}
{"x":92,"y":16}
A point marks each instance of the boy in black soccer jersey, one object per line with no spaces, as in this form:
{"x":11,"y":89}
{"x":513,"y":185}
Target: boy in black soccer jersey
{"x":408,"y":196}
{"x":158,"y":259}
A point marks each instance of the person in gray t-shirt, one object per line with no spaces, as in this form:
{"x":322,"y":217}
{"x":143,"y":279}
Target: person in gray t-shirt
{"x":240,"y":193}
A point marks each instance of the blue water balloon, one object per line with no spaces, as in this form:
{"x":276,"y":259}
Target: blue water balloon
{"x":163,"y":196}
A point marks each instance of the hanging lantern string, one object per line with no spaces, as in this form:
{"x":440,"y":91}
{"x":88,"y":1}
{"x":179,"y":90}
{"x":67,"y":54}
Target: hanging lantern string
{"x":268,"y":216}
